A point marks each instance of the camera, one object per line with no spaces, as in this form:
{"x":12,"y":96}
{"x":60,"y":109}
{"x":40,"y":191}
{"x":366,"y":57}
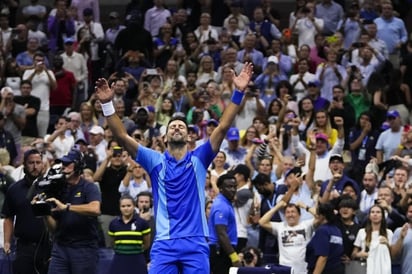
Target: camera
{"x":117,"y":151}
{"x":145,"y":209}
{"x":248,"y":257}
{"x":50,"y":185}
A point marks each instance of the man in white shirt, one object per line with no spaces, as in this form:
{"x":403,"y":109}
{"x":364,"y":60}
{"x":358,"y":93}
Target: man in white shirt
{"x":60,"y":143}
{"x":43,"y":82}
{"x":98,"y":142}
{"x":370,"y":192}
{"x":75,"y":63}
{"x":156,"y":17}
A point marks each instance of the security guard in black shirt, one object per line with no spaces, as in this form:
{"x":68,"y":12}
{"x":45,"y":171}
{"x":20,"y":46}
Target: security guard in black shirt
{"x":33,"y":246}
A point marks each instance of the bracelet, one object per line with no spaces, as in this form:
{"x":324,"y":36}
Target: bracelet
{"x":237,"y":97}
{"x":234,"y":257}
{"x":108,"y":109}
{"x":68,"y":206}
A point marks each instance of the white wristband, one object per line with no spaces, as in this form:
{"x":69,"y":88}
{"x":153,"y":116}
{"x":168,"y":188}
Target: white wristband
{"x":108,"y":109}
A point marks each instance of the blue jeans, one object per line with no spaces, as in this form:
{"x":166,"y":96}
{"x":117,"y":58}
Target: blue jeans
{"x":70,"y":260}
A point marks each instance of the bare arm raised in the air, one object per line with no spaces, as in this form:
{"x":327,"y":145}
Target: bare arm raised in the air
{"x":105,"y":94}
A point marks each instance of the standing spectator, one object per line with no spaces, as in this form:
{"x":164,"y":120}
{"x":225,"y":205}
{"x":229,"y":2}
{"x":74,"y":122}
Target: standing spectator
{"x":373,"y":242}
{"x":59,"y":142}
{"x":243,"y":203}
{"x":362,"y":141}
{"x":269,"y":191}
{"x":325,"y":249}
{"x":114,"y":27}
{"x":184,"y":175}
{"x":251,"y":107}
{"x":235,"y":12}
{"x":134,"y":37}
{"x":222,"y":227}
{"x":6,"y":139}
{"x":59,"y":26}
{"x":25,"y":59}
{"x":301,"y":79}
{"x":401,"y":243}
{"x":63,"y":96}
{"x":307,"y":27}
{"x":76,"y":64}
{"x":392,"y":31}
{"x":74,"y":221}
{"x":15,"y":119}
{"x":33,"y":246}
{"x":156,"y":17}
{"x":369,"y":193}
{"x":81,"y":5}
{"x":331,"y":13}
{"x":264,"y":27}
{"x":74,"y":128}
{"x":43,"y":82}
{"x":250,"y":53}
{"x":330,"y":73}
{"x":134,"y":182}
{"x":235,"y":153}
{"x":93,"y":34}
{"x":390,"y":139}
{"x":97,"y":141}
{"x":5,"y":33}
{"x":109,"y":175}
{"x":293,"y":234}
{"x":31,"y":106}
{"x":376,"y":43}
{"x":205,"y":31}
{"x":131,"y":235}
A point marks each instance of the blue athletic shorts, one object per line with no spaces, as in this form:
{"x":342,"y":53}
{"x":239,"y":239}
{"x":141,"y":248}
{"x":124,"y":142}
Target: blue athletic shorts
{"x":184,"y":255}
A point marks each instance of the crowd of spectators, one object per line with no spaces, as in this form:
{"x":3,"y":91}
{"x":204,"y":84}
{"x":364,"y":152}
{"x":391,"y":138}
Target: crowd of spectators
{"x":324,"y":122}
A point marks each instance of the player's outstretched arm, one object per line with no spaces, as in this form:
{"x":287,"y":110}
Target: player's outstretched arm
{"x":105,"y":95}
{"x":241,"y":81}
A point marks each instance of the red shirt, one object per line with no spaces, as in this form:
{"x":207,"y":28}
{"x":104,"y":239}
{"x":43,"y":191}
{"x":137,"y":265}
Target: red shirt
{"x":63,"y":94}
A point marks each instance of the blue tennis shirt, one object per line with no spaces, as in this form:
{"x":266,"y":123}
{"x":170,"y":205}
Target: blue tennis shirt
{"x":178,"y":190}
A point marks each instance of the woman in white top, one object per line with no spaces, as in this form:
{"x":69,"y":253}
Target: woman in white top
{"x":372,"y":243}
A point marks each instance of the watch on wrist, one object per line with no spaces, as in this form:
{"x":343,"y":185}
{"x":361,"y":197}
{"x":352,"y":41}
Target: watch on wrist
{"x":68,"y":206}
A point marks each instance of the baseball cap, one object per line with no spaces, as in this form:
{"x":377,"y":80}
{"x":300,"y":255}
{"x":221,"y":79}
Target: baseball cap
{"x":392,"y":113}
{"x":322,"y":136}
{"x":6,"y":90}
{"x":87,"y":11}
{"x":151,"y":109}
{"x":194,"y":128}
{"x":96,"y":130}
{"x":72,"y":156}
{"x":233,"y":134}
{"x":336,"y":157}
{"x":296,"y":170}
{"x":273,"y":59}
{"x":242,"y":169}
{"x":114,"y":14}
{"x":69,"y":40}
{"x":142,"y":108}
{"x":81,"y":141}
{"x":213,"y":121}
{"x":314,"y":83}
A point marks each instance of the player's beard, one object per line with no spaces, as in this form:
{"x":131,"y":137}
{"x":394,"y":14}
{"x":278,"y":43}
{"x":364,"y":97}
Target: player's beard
{"x":176,"y":144}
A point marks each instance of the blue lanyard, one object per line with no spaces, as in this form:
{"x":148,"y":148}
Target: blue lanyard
{"x":364,"y":141}
{"x":270,"y":205}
